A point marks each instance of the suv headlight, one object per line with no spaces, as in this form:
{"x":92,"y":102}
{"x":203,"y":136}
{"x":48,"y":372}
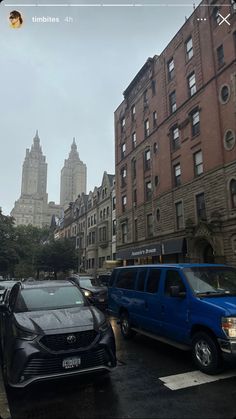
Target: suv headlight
{"x":229,"y":326}
{"x":87,"y":293}
{"x":23,"y":334}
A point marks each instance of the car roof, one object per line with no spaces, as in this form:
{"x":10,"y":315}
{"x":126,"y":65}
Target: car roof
{"x":47,"y":284}
{"x":7,"y":283}
{"x":174,"y":265}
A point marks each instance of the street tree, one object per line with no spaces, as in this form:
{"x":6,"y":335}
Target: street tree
{"x":8,"y":252}
{"x":57,"y":256}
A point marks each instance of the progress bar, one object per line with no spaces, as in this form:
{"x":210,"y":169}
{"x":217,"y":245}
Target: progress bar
{"x":112,"y":5}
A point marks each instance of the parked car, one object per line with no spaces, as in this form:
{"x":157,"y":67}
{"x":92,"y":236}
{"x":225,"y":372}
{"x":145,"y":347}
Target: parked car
{"x":4,"y":285}
{"x":49,"y":331}
{"x":93,"y":290}
{"x":191,"y":306}
{"x":104,"y":279}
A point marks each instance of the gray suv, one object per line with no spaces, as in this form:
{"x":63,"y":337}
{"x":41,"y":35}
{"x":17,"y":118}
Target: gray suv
{"x":49,"y":330}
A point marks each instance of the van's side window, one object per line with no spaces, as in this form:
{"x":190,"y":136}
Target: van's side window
{"x":141,"y":279}
{"x":126,"y":279}
{"x":173,"y":278}
{"x":153,"y":280}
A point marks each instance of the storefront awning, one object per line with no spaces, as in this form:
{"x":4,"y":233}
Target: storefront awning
{"x":165,"y":248}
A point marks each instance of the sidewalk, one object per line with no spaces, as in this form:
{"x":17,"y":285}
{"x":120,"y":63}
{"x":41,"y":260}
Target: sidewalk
{"x":4,"y":407}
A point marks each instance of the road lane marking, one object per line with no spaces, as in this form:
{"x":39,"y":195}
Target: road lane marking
{"x":193,"y":378}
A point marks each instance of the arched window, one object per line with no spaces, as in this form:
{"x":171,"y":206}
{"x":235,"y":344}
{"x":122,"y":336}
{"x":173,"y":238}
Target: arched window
{"x":232,"y":188}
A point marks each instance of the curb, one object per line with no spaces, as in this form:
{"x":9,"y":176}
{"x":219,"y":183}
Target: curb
{"x":4,"y":406}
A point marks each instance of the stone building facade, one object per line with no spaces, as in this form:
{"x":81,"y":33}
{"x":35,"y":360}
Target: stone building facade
{"x":32,"y":207}
{"x":88,"y":222}
{"x":175,"y":148}
{"x":73,"y":177}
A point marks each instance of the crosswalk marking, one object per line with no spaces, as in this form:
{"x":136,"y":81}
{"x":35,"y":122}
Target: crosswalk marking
{"x":193,"y":378}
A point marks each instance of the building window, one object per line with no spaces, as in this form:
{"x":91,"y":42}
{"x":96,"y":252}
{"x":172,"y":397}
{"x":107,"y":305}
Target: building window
{"x":229,"y":140}
{"x":135,"y":198}
{"x":123,"y":177}
{"x":216,"y":15}
{"x":148,"y":190}
{"x":114,"y":227}
{"x":124,"y":232}
{"x":232,"y":187}
{"x":192,"y":84}
{"x":123,"y":149}
{"x":220,"y":56}
{"x":175,"y":140}
{"x":198,"y":163}
{"x":179,"y":215}
{"x":177,"y":175}
{"x":134,"y":140}
{"x":172,"y":102}
{"x":189,"y":48}
{"x":153,"y":87}
{"x":195,"y":120}
{"x":149,"y":225}
{"x":102,"y":234}
{"x":147,"y":160}
{"x":171,"y":69}
{"x":200,"y":206}
{"x":146,"y":128}
{"x":122,"y":124}
{"x":133,"y":112}
{"x":155,"y":148}
{"x":224,"y":94}
{"x":133,"y":168}
{"x":135,"y":229}
{"x":124,"y":202}
{"x":154,"y":119}
{"x":156,"y":180}
{"x":114,"y":203}
{"x":158,"y":214}
{"x":145,"y":98}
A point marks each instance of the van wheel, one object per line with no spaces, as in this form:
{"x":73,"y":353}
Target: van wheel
{"x":206,"y":353}
{"x":125,"y":326}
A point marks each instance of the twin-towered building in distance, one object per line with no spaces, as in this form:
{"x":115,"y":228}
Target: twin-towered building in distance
{"x":33,"y":207}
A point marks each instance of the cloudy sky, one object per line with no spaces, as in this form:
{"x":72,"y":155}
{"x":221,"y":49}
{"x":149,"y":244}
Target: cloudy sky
{"x":67,"y":79}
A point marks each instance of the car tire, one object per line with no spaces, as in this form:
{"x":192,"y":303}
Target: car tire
{"x":125,"y":326}
{"x":206,"y":353}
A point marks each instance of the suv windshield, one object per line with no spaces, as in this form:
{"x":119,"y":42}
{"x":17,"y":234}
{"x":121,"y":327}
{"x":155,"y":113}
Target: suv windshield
{"x":48,"y":298}
{"x":212,"y":280}
{"x":89,"y":282}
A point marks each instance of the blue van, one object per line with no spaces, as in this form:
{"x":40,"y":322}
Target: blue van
{"x":190,"y":306}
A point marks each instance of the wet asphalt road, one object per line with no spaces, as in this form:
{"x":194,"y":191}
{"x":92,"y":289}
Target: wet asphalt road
{"x":133,"y":389}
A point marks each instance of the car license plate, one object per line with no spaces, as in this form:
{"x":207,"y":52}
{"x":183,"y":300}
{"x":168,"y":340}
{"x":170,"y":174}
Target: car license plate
{"x":101,"y":300}
{"x":68,"y":363}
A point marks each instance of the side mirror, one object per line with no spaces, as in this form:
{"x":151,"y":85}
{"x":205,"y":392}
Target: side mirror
{"x":175,"y":292}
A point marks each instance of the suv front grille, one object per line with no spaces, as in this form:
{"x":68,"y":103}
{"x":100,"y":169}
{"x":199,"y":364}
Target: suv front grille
{"x":48,"y":366}
{"x":69,"y":341}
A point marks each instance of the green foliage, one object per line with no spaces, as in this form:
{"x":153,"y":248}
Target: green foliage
{"x":25,"y":250}
{"x":57,"y":255}
{"x":8,"y":253}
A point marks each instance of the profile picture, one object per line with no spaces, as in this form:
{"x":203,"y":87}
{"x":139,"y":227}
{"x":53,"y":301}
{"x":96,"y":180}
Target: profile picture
{"x":15,"y":19}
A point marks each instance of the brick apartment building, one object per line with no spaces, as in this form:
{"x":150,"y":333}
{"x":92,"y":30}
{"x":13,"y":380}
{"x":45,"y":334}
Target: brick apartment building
{"x":175,"y":145}
{"x":89,"y":221}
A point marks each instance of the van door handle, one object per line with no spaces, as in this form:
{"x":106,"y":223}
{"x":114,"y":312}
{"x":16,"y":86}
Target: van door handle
{"x":162,"y":309}
{"x":146,"y":304}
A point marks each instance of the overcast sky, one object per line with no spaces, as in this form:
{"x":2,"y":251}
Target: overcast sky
{"x":67,"y":79}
